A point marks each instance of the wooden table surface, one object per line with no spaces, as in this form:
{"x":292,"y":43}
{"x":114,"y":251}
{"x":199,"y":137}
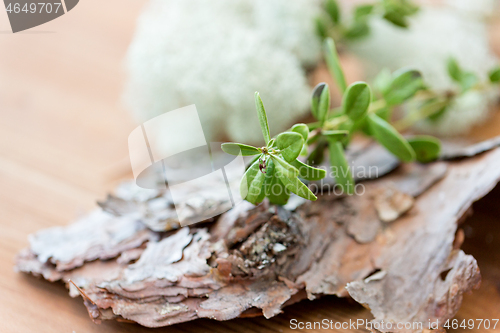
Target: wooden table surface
{"x":63,"y":145}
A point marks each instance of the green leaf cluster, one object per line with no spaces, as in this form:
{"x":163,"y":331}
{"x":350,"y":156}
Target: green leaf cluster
{"x":398,"y":11}
{"x":360,"y":111}
{"x":276,"y":172}
{"x":465,"y":79}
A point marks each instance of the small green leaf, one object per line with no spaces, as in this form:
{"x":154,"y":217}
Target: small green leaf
{"x":362,"y":12}
{"x":454,"y":70}
{"x":316,"y":95}
{"x":317,"y":155}
{"x":283,"y":167}
{"x":321,"y":28}
{"x":338,"y":161}
{"x":237,"y":148}
{"x":400,"y":8}
{"x":396,"y":18}
{"x":358,"y":30}
{"x":290,"y":144}
{"x":332,"y":8}
{"x":262,"y":192}
{"x":296,"y":186}
{"x":383,"y":80}
{"x":271,"y":143}
{"x":333,"y":63}
{"x":468,"y":80}
{"x":308,"y":172}
{"x":388,"y":137}
{"x":261,"y":113}
{"x":302,"y":129}
{"x":407,"y":7}
{"x":304,"y":150}
{"x":495,"y":75}
{"x":439,"y":111}
{"x":251,"y":184}
{"x":324,"y":104}
{"x":405,"y":84}
{"x":427,"y":148}
{"x":274,"y":188}
{"x":365,"y":128}
{"x":270,"y":174}
{"x":335,"y":135}
{"x":356,"y":100}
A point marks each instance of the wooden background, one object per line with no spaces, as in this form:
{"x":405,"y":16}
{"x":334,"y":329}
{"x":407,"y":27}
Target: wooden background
{"x":63,"y":144}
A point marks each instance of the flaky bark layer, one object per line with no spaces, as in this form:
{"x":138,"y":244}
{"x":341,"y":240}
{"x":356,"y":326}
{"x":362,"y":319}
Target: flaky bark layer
{"x":387,"y":249}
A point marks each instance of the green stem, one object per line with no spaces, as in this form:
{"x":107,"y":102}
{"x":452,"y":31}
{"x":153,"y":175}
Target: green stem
{"x":419,"y":114}
{"x":334,"y":123}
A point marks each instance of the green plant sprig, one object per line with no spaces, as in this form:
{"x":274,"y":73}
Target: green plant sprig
{"x":333,"y":24}
{"x":276,"y":171}
{"x":433,"y":105}
{"x":359,"y":111}
{"x":429,"y":104}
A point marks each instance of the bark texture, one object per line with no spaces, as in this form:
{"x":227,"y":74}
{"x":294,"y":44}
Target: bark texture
{"x":391,"y":249}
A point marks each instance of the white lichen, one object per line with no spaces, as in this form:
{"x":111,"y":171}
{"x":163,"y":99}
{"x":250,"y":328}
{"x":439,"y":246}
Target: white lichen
{"x":216,"y":55}
{"x":453,"y":28}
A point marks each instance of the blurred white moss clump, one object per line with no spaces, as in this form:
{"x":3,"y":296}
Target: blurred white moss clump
{"x":449,"y":28}
{"x":216,"y":54}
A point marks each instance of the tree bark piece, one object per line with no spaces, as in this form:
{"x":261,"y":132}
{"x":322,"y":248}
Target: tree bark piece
{"x":423,"y":250}
{"x":465,"y":147}
{"x":259,"y":259}
{"x":95,"y":236}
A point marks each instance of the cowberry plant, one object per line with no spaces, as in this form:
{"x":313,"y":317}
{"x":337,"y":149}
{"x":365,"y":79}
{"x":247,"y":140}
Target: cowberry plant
{"x":361,"y":111}
{"x":427,"y":104}
{"x":276,"y":170}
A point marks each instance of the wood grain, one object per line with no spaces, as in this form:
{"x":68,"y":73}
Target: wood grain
{"x":63,"y":144}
